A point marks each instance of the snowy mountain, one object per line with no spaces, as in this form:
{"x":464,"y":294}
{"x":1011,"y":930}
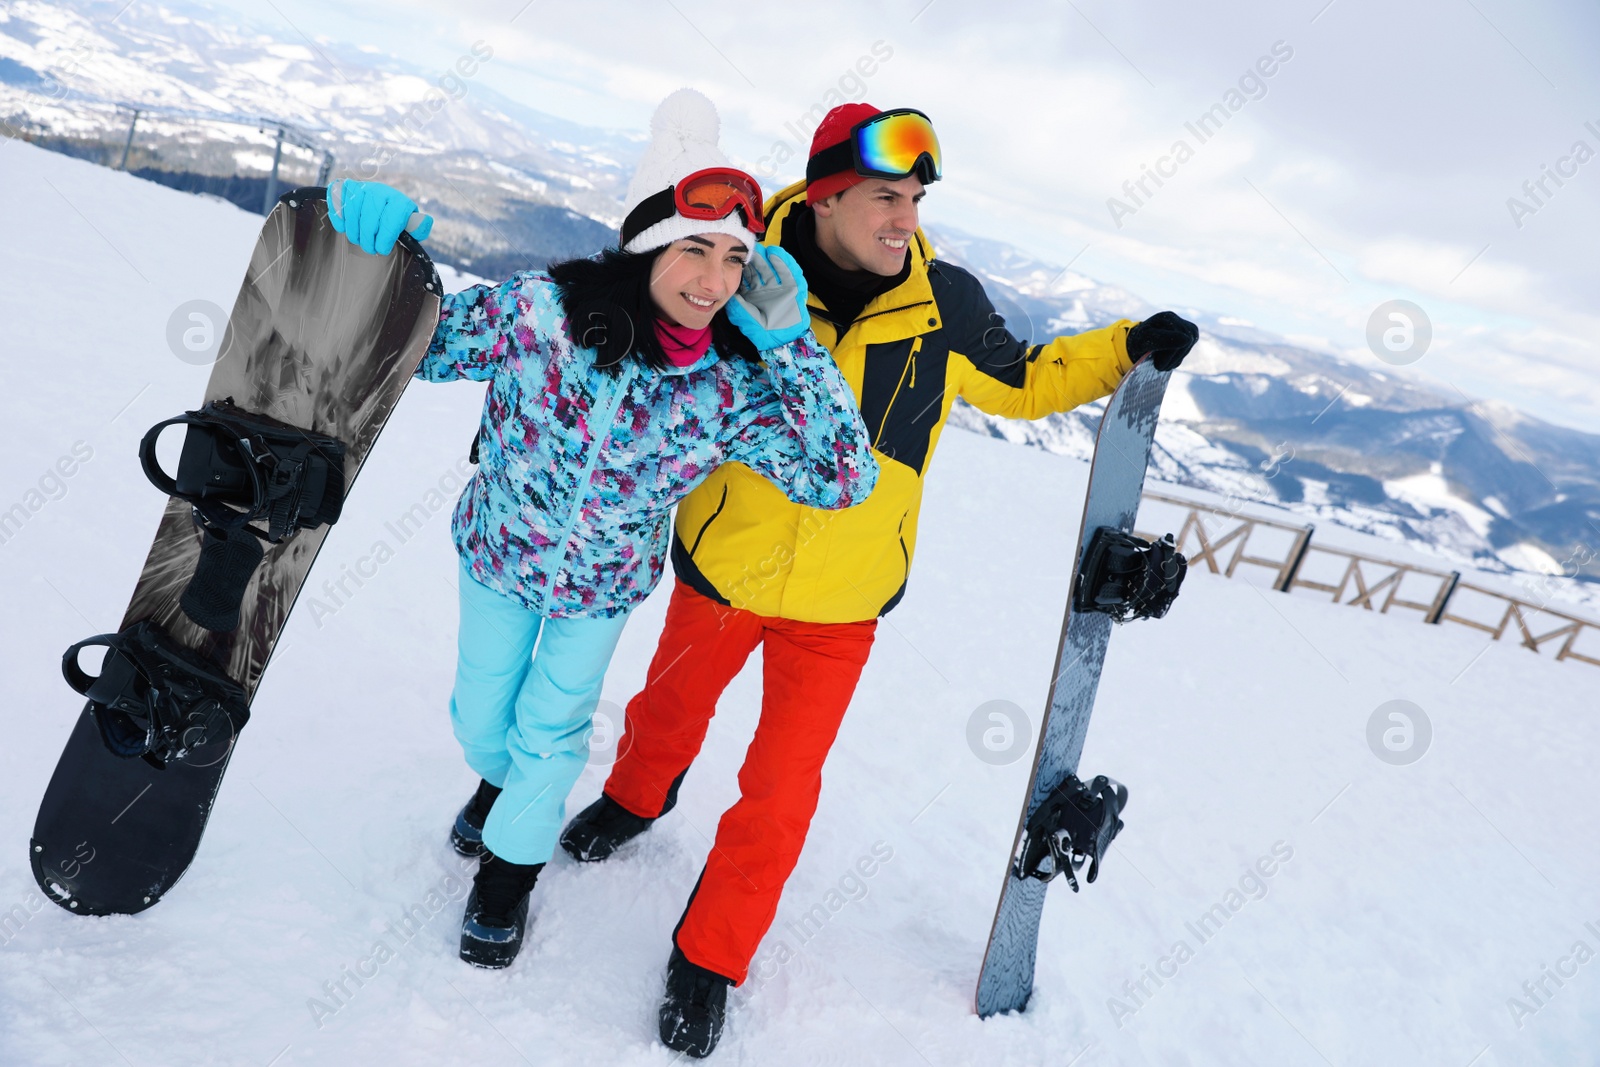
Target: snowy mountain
{"x":507,"y":184}
{"x":1413,"y":914}
{"x":1255,"y":418}
{"x":1251,"y":416}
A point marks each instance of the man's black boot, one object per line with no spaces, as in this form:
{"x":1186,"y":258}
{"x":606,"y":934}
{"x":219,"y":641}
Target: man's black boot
{"x":694,"y":1008}
{"x":605,"y":826}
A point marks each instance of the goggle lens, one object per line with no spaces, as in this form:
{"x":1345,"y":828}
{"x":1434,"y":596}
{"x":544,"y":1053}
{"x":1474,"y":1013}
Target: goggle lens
{"x":716,"y":193}
{"x":893,"y":143}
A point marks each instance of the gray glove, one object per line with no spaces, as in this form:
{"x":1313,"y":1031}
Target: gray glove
{"x":770,"y":307}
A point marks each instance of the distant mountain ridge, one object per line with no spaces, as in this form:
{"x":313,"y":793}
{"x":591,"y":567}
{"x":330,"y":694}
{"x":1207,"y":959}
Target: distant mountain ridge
{"x":1257,"y":418}
{"x":509,"y":186}
{"x":1251,"y":415}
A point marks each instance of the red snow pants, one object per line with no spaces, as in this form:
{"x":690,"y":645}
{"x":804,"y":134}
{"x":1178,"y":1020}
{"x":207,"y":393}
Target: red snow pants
{"x":810,"y":671}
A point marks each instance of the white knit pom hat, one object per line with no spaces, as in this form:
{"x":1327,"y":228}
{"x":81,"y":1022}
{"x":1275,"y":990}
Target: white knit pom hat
{"x":683,"y":139}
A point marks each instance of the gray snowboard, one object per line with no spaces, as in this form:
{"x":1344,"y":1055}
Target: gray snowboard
{"x":1116,"y":481}
{"x":323,"y":337}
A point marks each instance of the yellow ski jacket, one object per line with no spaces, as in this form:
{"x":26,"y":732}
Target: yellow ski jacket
{"x":907,"y":357}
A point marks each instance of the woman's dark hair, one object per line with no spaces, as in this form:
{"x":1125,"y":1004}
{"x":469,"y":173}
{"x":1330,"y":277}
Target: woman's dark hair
{"x":609,"y":309}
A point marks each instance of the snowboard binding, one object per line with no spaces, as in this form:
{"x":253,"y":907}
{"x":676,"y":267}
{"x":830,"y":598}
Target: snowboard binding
{"x":155,"y":700}
{"x":1128,"y":577}
{"x":1075,"y":825}
{"x":238,"y":468}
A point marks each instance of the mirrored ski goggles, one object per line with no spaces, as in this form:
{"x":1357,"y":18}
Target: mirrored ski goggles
{"x":710,"y":194}
{"x":891,"y":144}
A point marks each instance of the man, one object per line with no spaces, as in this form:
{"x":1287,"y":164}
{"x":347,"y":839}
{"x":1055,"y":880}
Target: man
{"x":911,"y":334}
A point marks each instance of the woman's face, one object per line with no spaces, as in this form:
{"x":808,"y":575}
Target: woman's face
{"x":693,"y":277}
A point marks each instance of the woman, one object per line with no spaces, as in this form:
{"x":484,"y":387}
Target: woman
{"x":617,"y":385}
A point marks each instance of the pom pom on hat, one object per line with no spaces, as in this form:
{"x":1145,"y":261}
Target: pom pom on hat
{"x":683,"y":139}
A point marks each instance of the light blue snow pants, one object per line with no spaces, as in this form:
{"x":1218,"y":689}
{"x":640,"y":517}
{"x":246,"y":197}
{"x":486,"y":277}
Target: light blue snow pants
{"x":523,"y":717}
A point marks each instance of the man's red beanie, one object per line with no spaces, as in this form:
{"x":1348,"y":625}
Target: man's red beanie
{"x":835,"y":129}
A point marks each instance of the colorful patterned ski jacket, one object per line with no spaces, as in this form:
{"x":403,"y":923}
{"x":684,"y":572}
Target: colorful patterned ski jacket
{"x":569,"y":511}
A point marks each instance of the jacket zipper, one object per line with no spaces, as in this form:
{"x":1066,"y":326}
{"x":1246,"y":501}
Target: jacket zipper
{"x":891,"y":311}
{"x":841,"y":331}
{"x":612,"y":404}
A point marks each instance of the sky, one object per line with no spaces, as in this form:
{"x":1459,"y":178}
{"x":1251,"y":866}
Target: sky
{"x":1358,"y":151}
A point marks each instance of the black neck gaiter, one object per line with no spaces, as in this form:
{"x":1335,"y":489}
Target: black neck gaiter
{"x":845,"y":293}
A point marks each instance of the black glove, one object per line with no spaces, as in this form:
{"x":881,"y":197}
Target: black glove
{"x":1165,"y":337}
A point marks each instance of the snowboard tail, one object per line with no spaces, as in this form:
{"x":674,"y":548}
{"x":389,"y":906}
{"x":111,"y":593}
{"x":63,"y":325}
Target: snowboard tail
{"x":322,"y":340}
{"x":1116,"y":483}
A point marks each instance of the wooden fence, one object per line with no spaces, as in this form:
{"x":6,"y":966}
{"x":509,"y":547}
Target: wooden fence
{"x":1368,"y":582}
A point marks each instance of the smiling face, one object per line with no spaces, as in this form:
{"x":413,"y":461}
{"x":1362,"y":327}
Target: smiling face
{"x":694,"y":277}
{"x":870,"y":225}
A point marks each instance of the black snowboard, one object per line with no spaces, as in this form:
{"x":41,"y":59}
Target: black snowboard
{"x":322,"y":337}
{"x":1116,"y":481}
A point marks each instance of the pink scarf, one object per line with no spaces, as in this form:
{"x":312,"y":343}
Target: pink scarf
{"x":682,"y":345}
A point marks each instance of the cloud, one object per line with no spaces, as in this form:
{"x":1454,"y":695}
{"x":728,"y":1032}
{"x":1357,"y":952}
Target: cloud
{"x":1387,"y":143}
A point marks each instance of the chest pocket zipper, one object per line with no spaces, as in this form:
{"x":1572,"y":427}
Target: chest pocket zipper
{"x":900,"y":533}
{"x":908,"y":371}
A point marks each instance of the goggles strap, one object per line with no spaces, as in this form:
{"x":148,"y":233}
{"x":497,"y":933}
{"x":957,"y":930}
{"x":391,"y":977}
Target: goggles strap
{"x":834,"y":159}
{"x":657,"y":207}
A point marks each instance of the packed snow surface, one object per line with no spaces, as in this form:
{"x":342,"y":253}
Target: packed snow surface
{"x":1281,"y":895}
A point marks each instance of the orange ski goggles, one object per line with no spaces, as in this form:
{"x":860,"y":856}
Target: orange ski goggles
{"x":710,"y":194}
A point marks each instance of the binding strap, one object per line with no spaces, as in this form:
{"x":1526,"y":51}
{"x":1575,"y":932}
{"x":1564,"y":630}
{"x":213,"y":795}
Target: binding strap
{"x":1127,"y":577}
{"x":238,"y":467}
{"x":155,"y":699}
{"x":1075,"y":824}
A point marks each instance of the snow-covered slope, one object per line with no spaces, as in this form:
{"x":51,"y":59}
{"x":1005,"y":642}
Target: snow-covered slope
{"x":1406,"y":904}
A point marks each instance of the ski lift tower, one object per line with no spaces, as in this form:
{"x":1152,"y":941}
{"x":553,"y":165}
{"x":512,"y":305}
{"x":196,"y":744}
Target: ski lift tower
{"x":299,"y":137}
{"x":296,"y":135}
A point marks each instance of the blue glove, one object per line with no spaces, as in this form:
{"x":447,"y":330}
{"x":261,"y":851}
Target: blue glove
{"x":373,"y":215}
{"x":770,"y":307}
